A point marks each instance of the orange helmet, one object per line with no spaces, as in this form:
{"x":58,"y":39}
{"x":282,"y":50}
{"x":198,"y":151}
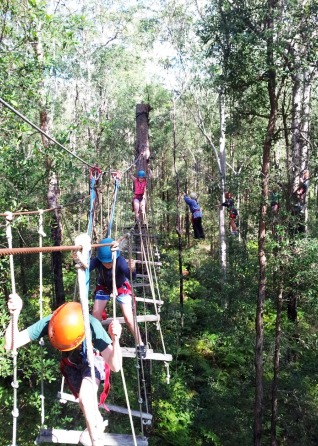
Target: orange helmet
{"x":66,"y":327}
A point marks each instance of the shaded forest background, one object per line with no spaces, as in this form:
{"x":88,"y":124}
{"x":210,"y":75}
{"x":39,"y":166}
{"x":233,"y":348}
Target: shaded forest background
{"x":232,"y":88}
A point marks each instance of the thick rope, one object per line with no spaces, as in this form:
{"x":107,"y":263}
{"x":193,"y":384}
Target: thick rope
{"x":15,"y":384}
{"x":33,"y":250}
{"x":83,"y":284}
{"x":41,"y":342}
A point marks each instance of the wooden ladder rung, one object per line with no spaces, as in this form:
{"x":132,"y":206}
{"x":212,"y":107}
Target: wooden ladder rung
{"x":138,"y":285}
{"x":73,"y":437}
{"x":146,"y":262}
{"x":130,"y":352}
{"x":64,"y":397}
{"x":156,"y":254}
{"x":142,"y":276}
{"x":137,"y":234}
{"x":149,"y":301}
{"x":140,"y":318}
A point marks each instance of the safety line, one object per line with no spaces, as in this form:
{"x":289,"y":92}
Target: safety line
{"x":42,"y":132}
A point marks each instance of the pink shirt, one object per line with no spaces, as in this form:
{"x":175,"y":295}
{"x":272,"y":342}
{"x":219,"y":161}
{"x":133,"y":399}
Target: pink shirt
{"x":139,"y":187}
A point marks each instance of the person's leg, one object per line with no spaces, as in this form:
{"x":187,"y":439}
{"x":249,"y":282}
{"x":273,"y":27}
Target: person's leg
{"x":126,"y":309}
{"x":195,"y":228}
{"x":89,"y":406}
{"x":142,"y":209}
{"x":136,"y":208}
{"x":99,"y":307}
{"x":200,"y":228}
{"x":232,"y":225}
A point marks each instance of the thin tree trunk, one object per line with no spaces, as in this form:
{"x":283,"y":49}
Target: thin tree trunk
{"x":278,"y":333}
{"x":222,"y":183}
{"x":178,"y":226}
{"x":271,"y":86}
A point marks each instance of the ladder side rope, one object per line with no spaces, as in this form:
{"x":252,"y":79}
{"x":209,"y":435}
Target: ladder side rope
{"x":15,"y":384}
{"x":114,"y":295}
{"x":115,"y":247}
{"x":138,"y":365}
{"x":159,"y":297}
{"x":41,"y":342}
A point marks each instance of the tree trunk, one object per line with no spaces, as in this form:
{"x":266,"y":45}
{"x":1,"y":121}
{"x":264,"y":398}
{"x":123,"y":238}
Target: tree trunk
{"x":271,"y":87}
{"x":178,"y":225}
{"x":56,"y":236}
{"x":53,"y":188}
{"x":142,"y":138}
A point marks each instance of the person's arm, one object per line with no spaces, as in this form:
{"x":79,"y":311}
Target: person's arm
{"x":125,"y":267}
{"x":93,"y":263}
{"x":13,"y":337}
{"x":187,"y":199}
{"x":132,"y":177}
{"x":132,"y":267}
{"x":112,"y":354}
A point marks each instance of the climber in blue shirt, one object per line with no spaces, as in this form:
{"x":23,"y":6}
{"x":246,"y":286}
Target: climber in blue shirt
{"x":196,"y":212}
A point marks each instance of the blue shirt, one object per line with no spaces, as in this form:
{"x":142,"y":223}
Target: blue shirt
{"x":194,"y":207}
{"x":105,"y":275}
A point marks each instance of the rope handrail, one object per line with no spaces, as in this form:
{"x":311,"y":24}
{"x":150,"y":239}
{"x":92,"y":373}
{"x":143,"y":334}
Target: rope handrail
{"x":37,"y":249}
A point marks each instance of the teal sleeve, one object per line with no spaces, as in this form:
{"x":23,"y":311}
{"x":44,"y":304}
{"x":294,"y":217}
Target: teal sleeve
{"x":39,"y":329}
{"x":100,"y":338}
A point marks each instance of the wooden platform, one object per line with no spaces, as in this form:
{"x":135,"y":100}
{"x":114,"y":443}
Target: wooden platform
{"x":73,"y":437}
{"x":64,"y":397}
{"x":141,"y":318}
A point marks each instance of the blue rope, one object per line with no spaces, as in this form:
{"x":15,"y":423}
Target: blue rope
{"x":112,"y":213}
{"x":91,"y":209}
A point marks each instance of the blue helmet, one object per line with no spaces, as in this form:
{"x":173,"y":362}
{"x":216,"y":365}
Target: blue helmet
{"x":104,"y":253}
{"x":141,"y":174}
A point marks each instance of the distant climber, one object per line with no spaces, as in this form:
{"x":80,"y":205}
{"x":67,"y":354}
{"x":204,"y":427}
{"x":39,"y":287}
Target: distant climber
{"x":233,"y":213}
{"x":139,"y":198}
{"x":274,"y":200}
{"x":196,"y":212}
{"x":300,"y":194}
{"x":229,"y":202}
